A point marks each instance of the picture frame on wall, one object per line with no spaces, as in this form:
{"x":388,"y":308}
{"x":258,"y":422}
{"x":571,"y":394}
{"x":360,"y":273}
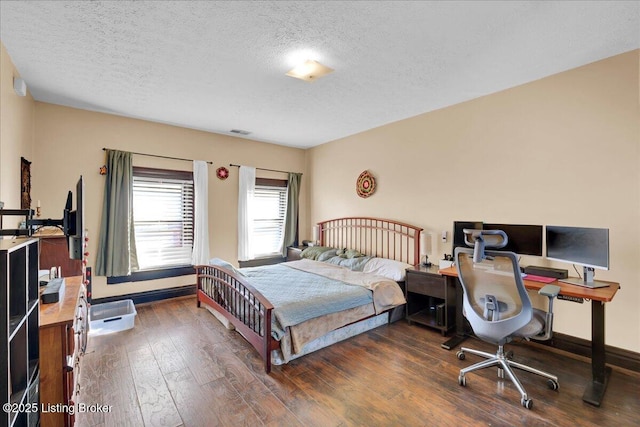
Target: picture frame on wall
{"x":25,"y":183}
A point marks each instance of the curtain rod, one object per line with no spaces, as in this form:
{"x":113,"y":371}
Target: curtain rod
{"x":156,"y":155}
{"x":262,"y":169}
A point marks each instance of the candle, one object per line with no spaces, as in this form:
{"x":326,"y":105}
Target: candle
{"x":38,"y":203}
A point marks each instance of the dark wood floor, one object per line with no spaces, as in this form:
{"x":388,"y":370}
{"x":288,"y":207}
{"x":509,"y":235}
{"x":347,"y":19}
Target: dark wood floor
{"x":179,"y":366}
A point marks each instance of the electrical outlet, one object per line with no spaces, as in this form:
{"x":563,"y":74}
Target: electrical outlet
{"x":444,"y":236}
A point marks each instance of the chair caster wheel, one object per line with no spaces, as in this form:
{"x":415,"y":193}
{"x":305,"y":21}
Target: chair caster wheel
{"x":462,"y":381}
{"x":527,"y":403}
{"x":553,"y":385}
{"x":460,"y":355}
{"x":509,"y":355}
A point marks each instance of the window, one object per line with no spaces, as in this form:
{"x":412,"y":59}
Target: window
{"x":270,"y":207}
{"x":163,"y":217}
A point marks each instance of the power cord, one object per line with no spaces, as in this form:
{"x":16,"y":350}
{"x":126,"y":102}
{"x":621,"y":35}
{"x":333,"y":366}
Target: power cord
{"x":577,"y":272}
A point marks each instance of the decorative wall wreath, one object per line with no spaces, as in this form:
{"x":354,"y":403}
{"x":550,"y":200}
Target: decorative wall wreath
{"x":222,"y":173}
{"x":365,"y":185}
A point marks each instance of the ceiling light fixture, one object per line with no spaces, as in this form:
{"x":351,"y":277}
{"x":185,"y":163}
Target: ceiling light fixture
{"x":309,"y":71}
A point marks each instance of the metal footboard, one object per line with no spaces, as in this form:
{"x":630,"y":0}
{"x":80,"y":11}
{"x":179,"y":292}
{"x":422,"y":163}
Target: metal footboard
{"x":246,"y":308}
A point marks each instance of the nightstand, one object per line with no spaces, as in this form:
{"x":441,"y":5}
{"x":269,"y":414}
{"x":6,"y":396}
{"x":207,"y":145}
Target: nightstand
{"x":431,"y":299}
{"x":294,"y":252}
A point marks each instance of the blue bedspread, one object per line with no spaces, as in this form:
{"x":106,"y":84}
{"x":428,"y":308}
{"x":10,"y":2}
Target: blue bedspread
{"x":298,"y":296}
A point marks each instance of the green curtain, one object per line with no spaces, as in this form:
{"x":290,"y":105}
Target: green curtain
{"x":116,"y":245}
{"x":291,"y":218}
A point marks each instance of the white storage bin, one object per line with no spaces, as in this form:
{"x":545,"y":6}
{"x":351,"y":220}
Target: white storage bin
{"x":111,"y":317}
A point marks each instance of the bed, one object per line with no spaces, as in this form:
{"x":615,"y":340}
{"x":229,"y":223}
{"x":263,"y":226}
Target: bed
{"x":349,"y":284}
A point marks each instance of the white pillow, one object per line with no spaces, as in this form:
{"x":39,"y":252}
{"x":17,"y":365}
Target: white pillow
{"x":391,"y":269}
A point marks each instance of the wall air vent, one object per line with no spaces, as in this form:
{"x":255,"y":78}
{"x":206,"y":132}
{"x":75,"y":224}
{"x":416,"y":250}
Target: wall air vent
{"x":240,"y":131}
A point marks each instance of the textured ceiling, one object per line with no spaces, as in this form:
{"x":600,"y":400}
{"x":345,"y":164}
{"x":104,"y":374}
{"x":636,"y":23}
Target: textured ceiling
{"x":218,"y":66}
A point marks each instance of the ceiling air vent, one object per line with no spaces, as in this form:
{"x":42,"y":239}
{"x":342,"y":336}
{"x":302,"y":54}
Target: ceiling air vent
{"x":240,"y":131}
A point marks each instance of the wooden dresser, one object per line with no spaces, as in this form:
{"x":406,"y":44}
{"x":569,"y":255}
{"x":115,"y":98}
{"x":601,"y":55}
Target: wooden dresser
{"x":63,"y":339}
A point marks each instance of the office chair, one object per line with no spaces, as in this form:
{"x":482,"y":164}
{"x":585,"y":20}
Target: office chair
{"x":498,"y":307}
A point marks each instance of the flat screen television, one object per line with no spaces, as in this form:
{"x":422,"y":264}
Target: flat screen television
{"x":588,"y":247}
{"x":522,"y":239}
{"x":73,"y":221}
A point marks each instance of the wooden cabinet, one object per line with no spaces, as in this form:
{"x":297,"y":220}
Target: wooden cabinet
{"x":19,"y":345}
{"x":63,"y":338}
{"x":54,"y":252}
{"x":431,"y":299}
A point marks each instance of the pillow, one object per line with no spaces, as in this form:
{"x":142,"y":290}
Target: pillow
{"x":355,"y":263}
{"x":352,"y":253}
{"x":349,"y":253}
{"x":226,"y":265}
{"x":391,"y":269}
{"x":324,"y":256}
{"x":313,"y":252}
{"x":336,"y":259}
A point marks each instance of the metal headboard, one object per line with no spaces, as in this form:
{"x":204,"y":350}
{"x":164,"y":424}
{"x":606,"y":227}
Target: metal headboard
{"x":383,"y":238}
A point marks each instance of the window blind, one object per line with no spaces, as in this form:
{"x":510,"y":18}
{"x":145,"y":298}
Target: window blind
{"x":270,"y":206}
{"x":163,"y":220}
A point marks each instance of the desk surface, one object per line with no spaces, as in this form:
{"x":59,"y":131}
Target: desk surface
{"x":605,"y":294}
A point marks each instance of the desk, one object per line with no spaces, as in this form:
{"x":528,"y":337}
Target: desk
{"x":599,"y":296}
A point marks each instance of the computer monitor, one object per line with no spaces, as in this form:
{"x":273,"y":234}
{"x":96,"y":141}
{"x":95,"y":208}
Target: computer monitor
{"x":458,"y":233}
{"x":522,"y":239}
{"x":584,"y":246}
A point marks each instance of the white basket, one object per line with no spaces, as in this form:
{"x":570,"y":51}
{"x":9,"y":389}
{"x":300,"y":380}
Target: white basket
{"x":111,"y":317}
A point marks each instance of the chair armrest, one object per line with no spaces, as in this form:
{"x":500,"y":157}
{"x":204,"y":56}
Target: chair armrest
{"x":550,"y":291}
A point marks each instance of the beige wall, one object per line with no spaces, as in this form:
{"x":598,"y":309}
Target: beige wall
{"x":563,"y":150}
{"x":69,"y":142}
{"x":16,"y":135}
